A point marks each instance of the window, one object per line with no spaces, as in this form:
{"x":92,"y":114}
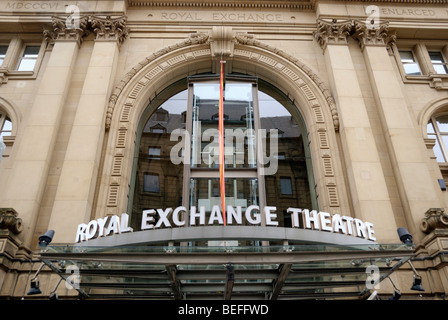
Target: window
{"x":154,"y":152}
{"x":439,"y":64}
{"x":285,"y":186}
{"x":410,"y":65}
{"x":29,"y":58}
{"x":151,"y":183}
{"x":3,"y":50}
{"x":5,"y":126}
{"x":266,"y":153}
{"x":438,"y":129}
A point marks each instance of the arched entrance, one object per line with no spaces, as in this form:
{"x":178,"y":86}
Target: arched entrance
{"x":285,"y":73}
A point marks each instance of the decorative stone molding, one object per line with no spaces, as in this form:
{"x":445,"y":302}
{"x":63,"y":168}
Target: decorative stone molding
{"x":107,"y":29}
{"x":62,"y":31}
{"x":249,"y":40}
{"x":373,"y":35}
{"x":435,"y":218}
{"x":198,"y":47}
{"x":333,"y":32}
{"x":278,"y":4}
{"x":193,"y":39}
{"x":9,"y":220}
{"x":222,"y":41}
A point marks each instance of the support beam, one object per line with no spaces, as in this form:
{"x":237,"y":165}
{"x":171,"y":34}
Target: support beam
{"x":278,"y":285}
{"x":171,"y":272}
{"x":230,"y":278}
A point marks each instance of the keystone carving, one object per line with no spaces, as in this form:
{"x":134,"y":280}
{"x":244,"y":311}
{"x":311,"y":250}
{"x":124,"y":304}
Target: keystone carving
{"x":371,"y":34}
{"x":333,"y":32}
{"x":10,"y":221}
{"x":222,"y":41}
{"x":435,"y":218}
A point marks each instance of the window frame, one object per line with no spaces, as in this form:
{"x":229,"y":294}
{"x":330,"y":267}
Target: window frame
{"x":16,"y":48}
{"x":420,"y":50}
{"x":439,"y":136}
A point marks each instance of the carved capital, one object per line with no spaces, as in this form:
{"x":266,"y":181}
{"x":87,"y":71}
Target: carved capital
{"x":435,"y":218}
{"x":109,"y":29}
{"x":373,"y":34}
{"x":332,"y":32}
{"x":10,"y":221}
{"x":62,"y":29}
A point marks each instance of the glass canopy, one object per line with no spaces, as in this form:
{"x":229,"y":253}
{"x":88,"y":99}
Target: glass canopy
{"x":318,"y":271}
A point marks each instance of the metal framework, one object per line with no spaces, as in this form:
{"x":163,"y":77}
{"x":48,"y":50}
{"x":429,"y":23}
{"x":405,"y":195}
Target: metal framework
{"x":284,"y":272}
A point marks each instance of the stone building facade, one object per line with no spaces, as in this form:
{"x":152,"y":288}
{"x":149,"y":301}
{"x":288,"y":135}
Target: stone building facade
{"x":86,"y":134}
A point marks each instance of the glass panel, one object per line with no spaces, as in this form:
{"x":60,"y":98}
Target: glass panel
{"x":6,"y":129}
{"x":29,"y":58}
{"x":292,"y":163}
{"x":285,"y":186}
{"x":238,"y":126}
{"x":430,"y":128}
{"x":409,"y":64}
{"x":3,"y":50}
{"x":406,"y":56}
{"x":438,"y":62}
{"x":151,"y":183}
{"x":442,"y":123}
{"x":158,"y":181}
{"x":438,"y":152}
{"x":240,"y":194}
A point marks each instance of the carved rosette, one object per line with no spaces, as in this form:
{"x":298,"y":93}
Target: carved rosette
{"x":60,"y":29}
{"x":435,"y":218}
{"x":373,"y":34}
{"x":333,"y":32}
{"x":109,"y":29}
{"x":10,"y":221}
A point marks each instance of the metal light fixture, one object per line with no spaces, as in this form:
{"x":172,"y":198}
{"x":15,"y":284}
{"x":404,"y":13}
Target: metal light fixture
{"x":53,"y":294}
{"x":46,"y":238}
{"x":406,"y":238}
{"x":397,"y":292}
{"x":35,"y":283}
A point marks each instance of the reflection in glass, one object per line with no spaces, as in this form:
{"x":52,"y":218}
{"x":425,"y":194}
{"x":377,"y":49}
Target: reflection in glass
{"x":29,"y":58}
{"x":238,"y":124}
{"x":158,"y":182}
{"x":205,"y":193}
{"x":438,"y":62}
{"x":410,"y":66}
{"x":289,"y":186}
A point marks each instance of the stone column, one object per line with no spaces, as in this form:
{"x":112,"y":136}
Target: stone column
{"x":369,"y":193}
{"x":419,"y":191}
{"x":27,"y":179}
{"x":77,"y":183}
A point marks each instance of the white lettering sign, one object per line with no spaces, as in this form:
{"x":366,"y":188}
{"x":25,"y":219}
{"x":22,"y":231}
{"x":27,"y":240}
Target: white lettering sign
{"x":253,"y":215}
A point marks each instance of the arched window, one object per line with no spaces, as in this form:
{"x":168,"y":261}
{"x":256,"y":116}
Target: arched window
{"x":5,"y":130}
{"x":267,"y":161}
{"x":437,"y":129}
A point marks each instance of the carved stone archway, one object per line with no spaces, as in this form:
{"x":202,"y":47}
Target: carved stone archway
{"x":195,"y":55}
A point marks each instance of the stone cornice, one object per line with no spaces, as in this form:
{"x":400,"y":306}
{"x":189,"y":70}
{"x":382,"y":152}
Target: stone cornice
{"x":267,"y":4}
{"x":261,"y":4}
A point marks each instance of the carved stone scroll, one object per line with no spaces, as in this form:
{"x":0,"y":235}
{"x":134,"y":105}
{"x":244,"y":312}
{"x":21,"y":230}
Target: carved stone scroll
{"x":9,"y":220}
{"x":435,"y":218}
